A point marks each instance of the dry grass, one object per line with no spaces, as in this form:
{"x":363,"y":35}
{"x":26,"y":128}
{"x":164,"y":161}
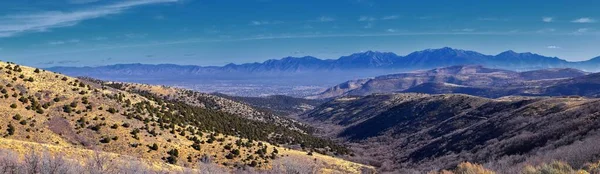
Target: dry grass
{"x":59,"y":131}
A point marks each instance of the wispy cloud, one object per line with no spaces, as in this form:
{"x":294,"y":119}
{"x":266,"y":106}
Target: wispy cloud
{"x":390,"y":17}
{"x":61,"y":42}
{"x":391,"y":30}
{"x":546,"y":30}
{"x":491,"y":19}
{"x":11,"y":25}
{"x":547,"y":19}
{"x":366,"y":18}
{"x":100,"y":38}
{"x":59,"y":62}
{"x":259,"y":22}
{"x":371,"y":18}
{"x":82,"y":1}
{"x":464,"y":30}
{"x":325,"y":19}
{"x":264,"y":22}
{"x":553,"y":47}
{"x":136,"y":35}
{"x":584,"y":20}
{"x":68,"y":61}
{"x":369,"y":25}
{"x":582,"y":31}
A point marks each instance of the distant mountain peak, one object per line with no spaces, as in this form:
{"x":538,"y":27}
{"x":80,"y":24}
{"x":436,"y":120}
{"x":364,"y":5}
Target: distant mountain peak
{"x":511,"y":53}
{"x":443,"y":49}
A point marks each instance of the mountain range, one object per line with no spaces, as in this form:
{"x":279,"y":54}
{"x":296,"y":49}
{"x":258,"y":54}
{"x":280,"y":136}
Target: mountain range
{"x":369,"y":60}
{"x":473,"y":80}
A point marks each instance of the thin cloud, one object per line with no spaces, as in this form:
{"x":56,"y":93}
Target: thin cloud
{"x":259,"y":22}
{"x":100,"y":38}
{"x":68,"y":62}
{"x":465,"y":30}
{"x":47,"y":63}
{"x":264,"y":22}
{"x":546,"y":30}
{"x":584,"y":20}
{"x":553,"y":47}
{"x":547,"y":19}
{"x":390,"y":17}
{"x":136,"y":35}
{"x":371,"y":19}
{"x":366,"y":18}
{"x":56,"y":42}
{"x":12,"y":25}
{"x":61,"y":42}
{"x":59,"y":62}
{"x":492,"y":19}
{"x":325,"y":19}
{"x":82,"y":1}
{"x":581,"y":31}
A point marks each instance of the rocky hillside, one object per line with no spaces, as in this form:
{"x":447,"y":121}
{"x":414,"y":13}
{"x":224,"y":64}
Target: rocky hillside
{"x":467,"y":79}
{"x":403,"y":132}
{"x":53,"y":109}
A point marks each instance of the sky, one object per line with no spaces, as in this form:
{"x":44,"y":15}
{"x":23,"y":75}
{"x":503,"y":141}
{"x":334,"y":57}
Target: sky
{"x":46,"y":33}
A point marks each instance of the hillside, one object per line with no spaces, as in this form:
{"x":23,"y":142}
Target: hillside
{"x":279,"y":104}
{"x":403,"y":132}
{"x":218,"y":103}
{"x":53,"y":109}
{"x":467,"y":79}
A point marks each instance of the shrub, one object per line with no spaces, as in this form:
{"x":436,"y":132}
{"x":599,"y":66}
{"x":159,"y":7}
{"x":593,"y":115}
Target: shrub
{"x":153,"y":147}
{"x":112,"y":110}
{"x":555,"y":167}
{"x":470,"y":168}
{"x":10,"y":129}
{"x":17,"y":117}
{"x":105,"y":140}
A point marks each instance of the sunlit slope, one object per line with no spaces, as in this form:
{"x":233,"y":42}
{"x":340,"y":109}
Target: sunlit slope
{"x":65,"y":112}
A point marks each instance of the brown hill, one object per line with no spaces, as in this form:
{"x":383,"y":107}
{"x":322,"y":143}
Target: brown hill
{"x":53,"y":109}
{"x":403,"y":132}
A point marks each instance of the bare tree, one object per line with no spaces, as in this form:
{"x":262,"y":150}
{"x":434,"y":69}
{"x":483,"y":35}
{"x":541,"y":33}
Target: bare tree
{"x":99,"y":164}
{"x":294,"y":166}
{"x":133,"y":167}
{"x":32,"y":162}
{"x":9,"y":163}
{"x":205,"y":166}
{"x":54,"y":164}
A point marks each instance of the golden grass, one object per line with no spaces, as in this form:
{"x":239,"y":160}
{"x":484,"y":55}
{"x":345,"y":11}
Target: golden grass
{"x":41,"y":129}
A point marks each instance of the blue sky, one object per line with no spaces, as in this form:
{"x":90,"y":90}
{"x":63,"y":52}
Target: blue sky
{"x":46,"y":33}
